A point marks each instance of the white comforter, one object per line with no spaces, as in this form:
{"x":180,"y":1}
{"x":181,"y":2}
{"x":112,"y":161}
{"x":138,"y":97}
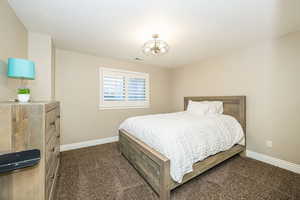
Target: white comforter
{"x":185,"y":138}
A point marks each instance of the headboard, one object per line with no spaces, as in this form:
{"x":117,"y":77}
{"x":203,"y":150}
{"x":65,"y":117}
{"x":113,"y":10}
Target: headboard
{"x":232,"y":105}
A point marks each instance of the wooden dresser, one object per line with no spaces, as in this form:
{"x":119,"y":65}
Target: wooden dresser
{"x":27,"y":126}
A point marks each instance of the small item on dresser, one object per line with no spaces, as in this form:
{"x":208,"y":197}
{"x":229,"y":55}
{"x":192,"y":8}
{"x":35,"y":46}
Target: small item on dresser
{"x":19,"y":160}
{"x":23,"y":95}
{"x":24,"y":70}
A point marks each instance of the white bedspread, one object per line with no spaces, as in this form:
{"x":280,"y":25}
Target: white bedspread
{"x":185,"y":138}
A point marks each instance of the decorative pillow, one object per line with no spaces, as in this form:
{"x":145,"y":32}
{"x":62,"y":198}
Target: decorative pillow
{"x":215,"y":107}
{"x":205,"y":107}
{"x":198,"y":108}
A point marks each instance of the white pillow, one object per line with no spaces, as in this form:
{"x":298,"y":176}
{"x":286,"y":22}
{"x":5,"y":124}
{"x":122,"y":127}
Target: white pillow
{"x":215,"y":107}
{"x":197,"y":108}
{"x":205,"y":107}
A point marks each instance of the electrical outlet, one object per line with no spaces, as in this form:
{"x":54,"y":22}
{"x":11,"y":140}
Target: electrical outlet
{"x":269,"y":143}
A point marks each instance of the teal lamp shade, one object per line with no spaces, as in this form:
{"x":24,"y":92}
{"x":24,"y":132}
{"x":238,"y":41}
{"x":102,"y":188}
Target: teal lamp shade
{"x":21,"y":68}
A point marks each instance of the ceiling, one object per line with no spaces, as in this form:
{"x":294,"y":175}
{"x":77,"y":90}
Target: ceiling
{"x":194,"y":29}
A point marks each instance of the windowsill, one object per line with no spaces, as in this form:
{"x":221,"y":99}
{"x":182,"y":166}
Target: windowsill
{"x":101,"y":107}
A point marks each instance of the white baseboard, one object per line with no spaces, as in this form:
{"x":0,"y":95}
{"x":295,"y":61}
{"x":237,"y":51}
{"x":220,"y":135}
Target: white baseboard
{"x":274,"y":161}
{"x":89,"y":143}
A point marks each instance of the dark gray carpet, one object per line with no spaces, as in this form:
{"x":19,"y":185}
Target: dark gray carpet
{"x":101,"y":173}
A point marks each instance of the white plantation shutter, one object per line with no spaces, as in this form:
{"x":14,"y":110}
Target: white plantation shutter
{"x":123,"y":89}
{"x":136,"y":89}
{"x":113,"y":88}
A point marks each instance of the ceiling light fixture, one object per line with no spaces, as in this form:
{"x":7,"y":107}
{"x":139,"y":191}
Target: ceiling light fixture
{"x":155,"y":47}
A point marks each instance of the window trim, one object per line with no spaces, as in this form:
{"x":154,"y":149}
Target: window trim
{"x":126,"y":104}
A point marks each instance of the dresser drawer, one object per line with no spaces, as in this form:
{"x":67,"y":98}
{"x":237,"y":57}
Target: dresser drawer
{"x":52,"y":161}
{"x":50,"y":177}
{"x":52,"y":149}
{"x":49,"y":184}
{"x":52,"y":123}
{"x":53,"y":158}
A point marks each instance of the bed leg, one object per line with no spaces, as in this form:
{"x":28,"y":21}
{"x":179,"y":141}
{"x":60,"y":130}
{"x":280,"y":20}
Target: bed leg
{"x":165,"y":195}
{"x":243,"y":154}
{"x":165,"y":190}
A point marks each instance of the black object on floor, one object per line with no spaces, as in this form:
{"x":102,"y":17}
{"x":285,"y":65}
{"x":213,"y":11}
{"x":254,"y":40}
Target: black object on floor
{"x":18,"y":160}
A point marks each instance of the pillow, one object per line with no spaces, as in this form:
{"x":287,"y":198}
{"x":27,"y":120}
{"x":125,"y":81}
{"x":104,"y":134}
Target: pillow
{"x":205,"y":107}
{"x":197,"y":108}
{"x":215,"y":107}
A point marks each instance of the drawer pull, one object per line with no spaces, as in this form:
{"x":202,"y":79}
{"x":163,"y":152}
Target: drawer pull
{"x":53,"y":149}
{"x":52,"y":123}
{"x":58,"y":136}
{"x":58,"y":116}
{"x":52,"y":177}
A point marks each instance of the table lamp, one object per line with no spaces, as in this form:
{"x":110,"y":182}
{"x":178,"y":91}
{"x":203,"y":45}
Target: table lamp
{"x":21,"y":69}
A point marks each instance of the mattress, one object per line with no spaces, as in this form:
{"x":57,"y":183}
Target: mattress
{"x":185,"y":138}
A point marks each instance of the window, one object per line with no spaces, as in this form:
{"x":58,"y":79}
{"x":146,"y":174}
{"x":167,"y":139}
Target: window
{"x":123,"y":89}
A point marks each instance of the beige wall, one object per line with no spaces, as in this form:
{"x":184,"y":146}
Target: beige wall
{"x":77,"y":87}
{"x":269,"y":76}
{"x":53,"y":71}
{"x":40,"y":50}
{"x":13,"y":43}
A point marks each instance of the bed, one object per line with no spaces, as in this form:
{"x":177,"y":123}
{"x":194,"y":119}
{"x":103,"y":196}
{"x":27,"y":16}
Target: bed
{"x":155,"y":167}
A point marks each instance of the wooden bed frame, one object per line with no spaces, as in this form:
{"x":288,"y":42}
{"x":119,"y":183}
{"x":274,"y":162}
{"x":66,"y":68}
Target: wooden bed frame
{"x":155,"y":167}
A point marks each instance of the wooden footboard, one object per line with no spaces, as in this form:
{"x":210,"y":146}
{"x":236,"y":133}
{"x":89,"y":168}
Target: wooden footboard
{"x":155,"y":167}
{"x":151,"y":165}
{"x":204,"y":165}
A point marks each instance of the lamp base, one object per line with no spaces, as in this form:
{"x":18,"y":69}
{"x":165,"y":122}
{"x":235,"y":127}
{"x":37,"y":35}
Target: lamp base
{"x":23,"y":98}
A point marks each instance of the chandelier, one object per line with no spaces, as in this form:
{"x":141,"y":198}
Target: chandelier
{"x":155,"y":47}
